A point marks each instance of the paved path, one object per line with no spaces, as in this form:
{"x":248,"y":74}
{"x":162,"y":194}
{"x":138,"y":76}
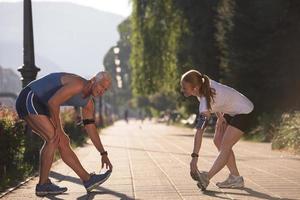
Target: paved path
{"x":151,"y":161}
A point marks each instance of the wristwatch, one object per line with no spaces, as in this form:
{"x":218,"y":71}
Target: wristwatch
{"x":194,"y":155}
{"x":104,"y":153}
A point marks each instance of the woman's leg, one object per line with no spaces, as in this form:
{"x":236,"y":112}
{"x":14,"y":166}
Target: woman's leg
{"x":41,"y":125}
{"x":231,"y":136}
{"x":218,"y":137}
{"x":70,"y":158}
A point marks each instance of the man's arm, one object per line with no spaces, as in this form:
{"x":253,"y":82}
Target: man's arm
{"x":88,"y":114}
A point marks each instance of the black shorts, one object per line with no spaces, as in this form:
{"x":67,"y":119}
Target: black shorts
{"x":28,"y":103}
{"x":240,"y":121}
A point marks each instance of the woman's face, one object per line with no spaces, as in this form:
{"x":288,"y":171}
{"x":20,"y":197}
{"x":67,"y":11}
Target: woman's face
{"x":188,"y":89}
{"x":99,"y":88}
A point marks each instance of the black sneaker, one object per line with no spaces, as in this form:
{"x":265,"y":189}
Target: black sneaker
{"x":95,"y":180}
{"x":49,"y":188}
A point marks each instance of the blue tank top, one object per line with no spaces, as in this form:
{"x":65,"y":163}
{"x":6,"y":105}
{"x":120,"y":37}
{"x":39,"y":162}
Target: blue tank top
{"x":47,"y":86}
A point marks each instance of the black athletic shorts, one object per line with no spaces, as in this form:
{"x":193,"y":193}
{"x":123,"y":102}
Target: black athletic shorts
{"x":28,"y":103}
{"x":240,"y":121}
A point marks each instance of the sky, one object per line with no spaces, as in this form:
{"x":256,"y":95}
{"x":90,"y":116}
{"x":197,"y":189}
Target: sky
{"x":121,"y":7}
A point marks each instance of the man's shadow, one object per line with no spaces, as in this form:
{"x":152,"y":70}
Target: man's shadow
{"x":91,"y":195}
{"x":250,"y":193}
{"x":101,"y":191}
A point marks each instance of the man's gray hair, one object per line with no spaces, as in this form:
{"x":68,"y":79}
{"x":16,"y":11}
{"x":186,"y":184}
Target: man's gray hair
{"x":103,"y":75}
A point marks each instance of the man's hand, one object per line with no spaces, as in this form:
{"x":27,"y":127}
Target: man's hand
{"x":105,"y":161}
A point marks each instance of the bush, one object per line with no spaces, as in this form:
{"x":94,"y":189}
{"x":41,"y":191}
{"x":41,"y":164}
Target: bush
{"x":287,"y":135}
{"x":12,"y":149}
{"x":266,"y":128}
{"x":70,"y":120}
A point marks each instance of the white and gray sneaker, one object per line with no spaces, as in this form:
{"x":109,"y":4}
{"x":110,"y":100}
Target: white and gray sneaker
{"x":202,"y":178}
{"x":232,"y":182}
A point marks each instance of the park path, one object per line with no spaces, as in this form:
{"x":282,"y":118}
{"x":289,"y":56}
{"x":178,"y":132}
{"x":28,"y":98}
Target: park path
{"x":151,"y":161}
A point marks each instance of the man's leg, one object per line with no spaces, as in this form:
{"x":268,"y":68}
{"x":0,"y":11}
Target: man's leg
{"x":70,"y":158}
{"x":231,"y":136}
{"x":41,"y":125}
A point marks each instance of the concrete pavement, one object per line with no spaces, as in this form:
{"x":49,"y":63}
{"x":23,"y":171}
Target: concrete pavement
{"x":151,"y":161}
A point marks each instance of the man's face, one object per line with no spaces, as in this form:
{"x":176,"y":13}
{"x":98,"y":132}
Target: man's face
{"x":100,"y":87}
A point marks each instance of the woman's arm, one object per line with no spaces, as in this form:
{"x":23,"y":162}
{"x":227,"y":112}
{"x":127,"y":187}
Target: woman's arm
{"x":201,"y":125}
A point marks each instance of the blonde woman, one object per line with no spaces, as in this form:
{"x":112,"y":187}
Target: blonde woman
{"x":232,"y":109}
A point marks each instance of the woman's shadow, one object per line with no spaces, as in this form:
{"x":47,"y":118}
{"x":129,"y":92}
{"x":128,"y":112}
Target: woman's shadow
{"x":250,"y":193}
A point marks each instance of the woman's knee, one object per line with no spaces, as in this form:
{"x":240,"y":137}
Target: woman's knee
{"x":217,"y":143}
{"x":225,"y":147}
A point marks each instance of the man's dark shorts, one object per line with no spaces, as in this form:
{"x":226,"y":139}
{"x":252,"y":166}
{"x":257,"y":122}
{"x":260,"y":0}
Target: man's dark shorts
{"x":28,"y":103}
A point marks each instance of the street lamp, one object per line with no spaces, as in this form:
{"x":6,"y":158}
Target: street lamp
{"x":28,"y":70}
{"x":116,"y":50}
{"x":118,"y":68}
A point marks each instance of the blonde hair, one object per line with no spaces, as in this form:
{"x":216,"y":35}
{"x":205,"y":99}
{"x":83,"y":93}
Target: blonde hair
{"x":103,"y":75}
{"x":195,"y":78}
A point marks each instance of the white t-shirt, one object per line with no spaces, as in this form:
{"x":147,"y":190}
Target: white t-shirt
{"x":227,"y":100}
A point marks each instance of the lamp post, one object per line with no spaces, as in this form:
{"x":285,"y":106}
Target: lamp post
{"x":118,"y":68}
{"x":28,"y":70}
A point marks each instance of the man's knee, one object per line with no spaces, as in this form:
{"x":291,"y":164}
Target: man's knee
{"x":53,"y":141}
{"x":64,"y":141}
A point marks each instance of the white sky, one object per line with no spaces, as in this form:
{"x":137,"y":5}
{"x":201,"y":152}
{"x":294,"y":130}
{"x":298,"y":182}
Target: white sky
{"x":121,"y":7}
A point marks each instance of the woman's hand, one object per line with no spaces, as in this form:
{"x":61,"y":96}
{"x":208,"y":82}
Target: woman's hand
{"x":105,"y":161}
{"x":193,"y":165}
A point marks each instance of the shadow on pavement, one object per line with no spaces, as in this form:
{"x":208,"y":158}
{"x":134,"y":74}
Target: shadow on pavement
{"x":53,"y":197}
{"x":250,"y":193}
{"x":61,"y":177}
{"x":91,"y":195}
{"x":103,"y":191}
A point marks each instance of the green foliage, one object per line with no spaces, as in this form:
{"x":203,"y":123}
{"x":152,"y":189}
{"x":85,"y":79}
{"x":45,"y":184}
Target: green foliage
{"x":12,"y":149}
{"x":252,"y":46}
{"x":157,"y":27}
{"x":266,"y":127}
{"x":287,"y":135}
{"x":75,"y":132}
{"x":163,"y":101}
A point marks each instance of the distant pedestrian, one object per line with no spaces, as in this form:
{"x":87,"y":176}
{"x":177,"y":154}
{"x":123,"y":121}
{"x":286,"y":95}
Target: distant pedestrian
{"x":232,"y":109}
{"x":126,"y":116}
{"x":39,"y":105}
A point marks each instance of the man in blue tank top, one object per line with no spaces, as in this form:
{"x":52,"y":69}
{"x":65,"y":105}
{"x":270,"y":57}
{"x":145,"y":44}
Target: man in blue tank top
{"x":39,"y":105}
